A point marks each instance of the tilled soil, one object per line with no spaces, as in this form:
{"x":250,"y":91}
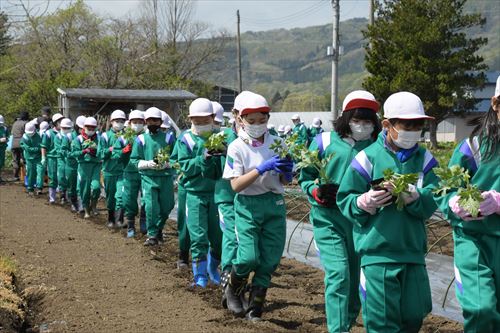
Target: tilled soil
{"x":81,"y":277}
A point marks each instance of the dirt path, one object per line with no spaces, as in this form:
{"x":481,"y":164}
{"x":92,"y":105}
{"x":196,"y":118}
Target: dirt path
{"x":90,"y":279}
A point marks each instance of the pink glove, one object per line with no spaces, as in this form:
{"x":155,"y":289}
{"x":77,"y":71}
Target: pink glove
{"x":491,"y":203}
{"x":411,"y":196}
{"x":460,"y":212}
{"x":110,"y":149}
{"x":371,"y":200}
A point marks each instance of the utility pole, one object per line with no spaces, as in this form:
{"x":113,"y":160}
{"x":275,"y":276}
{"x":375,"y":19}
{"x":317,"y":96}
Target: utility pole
{"x":335,"y":58}
{"x":238,"y":51}
{"x":372,"y":11}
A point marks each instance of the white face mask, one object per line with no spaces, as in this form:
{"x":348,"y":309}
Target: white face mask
{"x":255,"y":131}
{"x":118,"y":125}
{"x":89,"y":132}
{"x":406,"y":139}
{"x":202,"y":129}
{"x":30,"y":133}
{"x":360,"y":132}
{"x":137,"y":127}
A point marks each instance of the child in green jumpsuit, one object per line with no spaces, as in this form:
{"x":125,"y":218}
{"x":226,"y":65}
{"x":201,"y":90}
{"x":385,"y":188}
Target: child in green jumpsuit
{"x":300,"y":129}
{"x":4,"y":137}
{"x":355,"y":130}
{"x":156,"y":175}
{"x":84,"y":149}
{"x":257,"y":175}
{"x":130,"y":186}
{"x":50,"y":148}
{"x":394,"y":286}
{"x":31,"y":145}
{"x":315,"y":129}
{"x":112,"y":167}
{"x":200,"y":169}
{"x":477,"y":240}
{"x":70,"y":162}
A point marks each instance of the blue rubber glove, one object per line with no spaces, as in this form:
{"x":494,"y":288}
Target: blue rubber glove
{"x":270,"y":164}
{"x":285,"y":165}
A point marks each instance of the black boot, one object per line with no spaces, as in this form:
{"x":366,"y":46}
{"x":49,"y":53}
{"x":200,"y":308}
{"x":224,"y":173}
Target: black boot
{"x":224,"y":281}
{"x":183,"y":262}
{"x":119,"y":218}
{"x":74,"y":204}
{"x":234,"y":294}
{"x":256,"y":303}
{"x":111,"y":218}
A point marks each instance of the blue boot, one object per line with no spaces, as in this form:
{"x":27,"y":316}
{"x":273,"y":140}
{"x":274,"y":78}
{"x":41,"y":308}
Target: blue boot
{"x":213,"y":269}
{"x":200,"y":273}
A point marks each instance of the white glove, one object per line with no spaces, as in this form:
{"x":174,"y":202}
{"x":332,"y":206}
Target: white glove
{"x":144,"y":165}
{"x":412,"y":194}
{"x":371,"y":200}
{"x":163,"y":166}
{"x":3,"y":140}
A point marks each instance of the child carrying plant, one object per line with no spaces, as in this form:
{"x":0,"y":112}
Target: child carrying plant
{"x":390,"y":238}
{"x":31,"y":145}
{"x":50,"y":147}
{"x":477,"y":239}
{"x":257,"y":175}
{"x":355,"y":130}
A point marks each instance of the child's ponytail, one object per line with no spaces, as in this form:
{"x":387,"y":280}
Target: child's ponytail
{"x":486,"y":128}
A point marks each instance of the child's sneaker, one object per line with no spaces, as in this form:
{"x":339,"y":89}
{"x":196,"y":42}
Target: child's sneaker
{"x":150,"y":241}
{"x":130,"y":233}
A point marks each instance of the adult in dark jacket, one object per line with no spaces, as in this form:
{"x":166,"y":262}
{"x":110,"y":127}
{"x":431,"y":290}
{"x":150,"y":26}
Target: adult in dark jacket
{"x":17,"y":134}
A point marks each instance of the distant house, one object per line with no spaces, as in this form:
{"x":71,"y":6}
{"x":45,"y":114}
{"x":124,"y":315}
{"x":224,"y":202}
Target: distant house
{"x":225,"y":96}
{"x":455,"y":128}
{"x":101,"y":102}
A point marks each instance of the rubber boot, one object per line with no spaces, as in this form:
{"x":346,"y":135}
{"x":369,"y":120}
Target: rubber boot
{"x":234,"y":294}
{"x":111,"y":219}
{"x":256,"y":303}
{"x":74,"y":204}
{"x":130,"y":227}
{"x":88,"y":213}
{"x":213,"y":269}
{"x":93,"y":206}
{"x":183,"y":261}
{"x":52,"y":195}
{"x":142,"y":221}
{"x":62,"y":196}
{"x":118,"y":215}
{"x":80,"y":205}
{"x":200,"y":273}
{"x":224,"y":281}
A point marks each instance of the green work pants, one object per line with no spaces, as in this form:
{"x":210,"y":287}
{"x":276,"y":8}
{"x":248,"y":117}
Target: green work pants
{"x":71,"y":181}
{"x":394,"y":297}
{"x":130,"y":192}
{"x":2,"y":156}
{"x":477,"y":279}
{"x":261,"y":232}
{"x":52,"y":171}
{"x":184,"y":240}
{"x":203,"y":225}
{"x":89,"y":182}
{"x":158,"y":196}
{"x":33,"y":169}
{"x":119,"y":193}
{"x":229,"y":243}
{"x":110,"y":186}
{"x":61,"y":175}
{"x":333,"y":237}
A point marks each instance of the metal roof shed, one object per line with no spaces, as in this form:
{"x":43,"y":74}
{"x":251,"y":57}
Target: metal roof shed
{"x":92,"y":101}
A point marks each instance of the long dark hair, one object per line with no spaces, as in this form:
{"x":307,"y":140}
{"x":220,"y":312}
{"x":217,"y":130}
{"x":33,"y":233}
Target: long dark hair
{"x":486,"y":128}
{"x":342,"y":124}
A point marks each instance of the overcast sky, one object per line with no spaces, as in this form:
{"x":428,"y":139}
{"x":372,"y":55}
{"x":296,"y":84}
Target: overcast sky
{"x":256,"y":15}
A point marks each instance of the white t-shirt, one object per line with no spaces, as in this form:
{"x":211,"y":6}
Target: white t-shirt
{"x":242,"y":158}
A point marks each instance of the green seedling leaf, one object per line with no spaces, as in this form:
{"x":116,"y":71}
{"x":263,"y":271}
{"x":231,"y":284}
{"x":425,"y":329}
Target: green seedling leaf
{"x":400,"y":183}
{"x":216,"y":142}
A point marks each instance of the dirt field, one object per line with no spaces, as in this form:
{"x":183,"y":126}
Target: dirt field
{"x":80,"y":277}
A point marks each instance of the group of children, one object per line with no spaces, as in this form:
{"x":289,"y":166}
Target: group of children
{"x":232,"y":213}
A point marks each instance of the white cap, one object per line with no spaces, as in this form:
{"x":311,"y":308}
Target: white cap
{"x":90,"y":121}
{"x":316,"y":123}
{"x":152,"y":112}
{"x":296,"y":117}
{"x":30,"y":127}
{"x":360,"y":99}
{"x":136,"y":114}
{"x":118,"y":114}
{"x":270,"y":126}
{"x":44,"y":126}
{"x":1,"y":120}
{"x":288,"y":128}
{"x":248,"y":102}
{"x":80,"y":121}
{"x":497,"y":88}
{"x":218,"y":111}
{"x":281,"y":128}
{"x":166,"y":123}
{"x":56,"y":117}
{"x":404,"y":105}
{"x":66,"y":122}
{"x":200,"y":107}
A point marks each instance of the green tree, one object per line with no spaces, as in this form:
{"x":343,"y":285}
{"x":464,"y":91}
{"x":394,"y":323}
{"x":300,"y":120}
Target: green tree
{"x":421,"y":46}
{"x":4,"y":36}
